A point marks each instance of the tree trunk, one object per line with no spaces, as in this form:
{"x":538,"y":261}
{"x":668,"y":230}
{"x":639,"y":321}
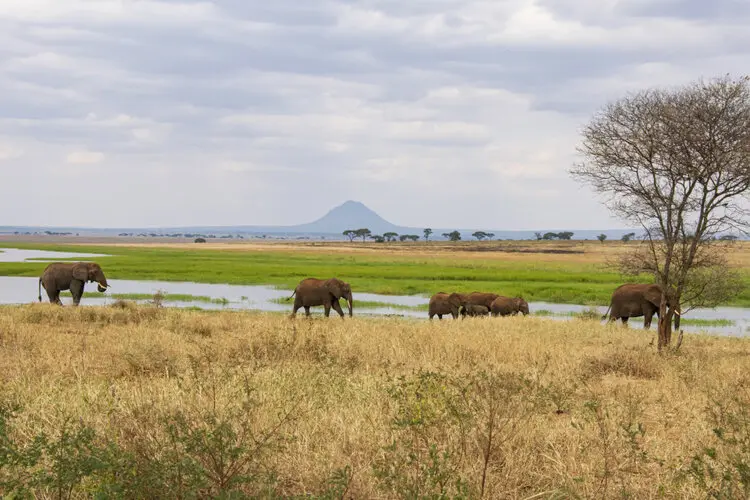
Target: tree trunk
{"x":665,"y":324}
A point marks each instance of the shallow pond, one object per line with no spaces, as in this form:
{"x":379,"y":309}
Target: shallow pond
{"x":19,"y":255}
{"x":21,"y":290}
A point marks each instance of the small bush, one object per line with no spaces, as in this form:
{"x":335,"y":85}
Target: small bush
{"x":590,"y":314}
{"x":722,"y":467}
{"x":123,"y":304}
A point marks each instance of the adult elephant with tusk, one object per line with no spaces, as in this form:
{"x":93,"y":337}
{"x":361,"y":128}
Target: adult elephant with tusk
{"x":633,"y":300}
{"x":72,"y":276}
{"x":316,"y":292}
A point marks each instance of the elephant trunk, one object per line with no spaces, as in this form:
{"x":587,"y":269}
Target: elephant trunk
{"x":101,"y":281}
{"x":351,"y":303}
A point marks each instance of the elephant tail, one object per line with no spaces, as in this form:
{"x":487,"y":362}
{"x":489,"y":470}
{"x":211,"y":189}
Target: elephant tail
{"x":292,"y":295}
{"x":607,"y":313}
{"x":40,"y":289}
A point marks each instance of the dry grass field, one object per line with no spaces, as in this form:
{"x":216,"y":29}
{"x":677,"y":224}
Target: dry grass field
{"x":145,"y":402}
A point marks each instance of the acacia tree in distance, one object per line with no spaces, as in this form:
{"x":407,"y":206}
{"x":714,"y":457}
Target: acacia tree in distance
{"x":350,"y":233}
{"x":427,"y":233}
{"x":676,"y":163}
{"x":363,"y":233}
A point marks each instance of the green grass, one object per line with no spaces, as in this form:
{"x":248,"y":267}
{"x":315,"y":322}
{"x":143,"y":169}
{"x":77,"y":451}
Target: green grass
{"x":707,"y":322}
{"x":170,"y":297}
{"x":364,"y":304}
{"x":683,"y":321}
{"x":558,"y":282}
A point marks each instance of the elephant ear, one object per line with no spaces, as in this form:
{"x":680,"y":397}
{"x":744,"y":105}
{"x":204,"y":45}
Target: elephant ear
{"x":81,"y":271}
{"x":653,"y":295}
{"x":334,"y":286}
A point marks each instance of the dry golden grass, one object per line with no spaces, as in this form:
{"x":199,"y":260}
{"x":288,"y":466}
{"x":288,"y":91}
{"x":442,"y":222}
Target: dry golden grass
{"x":569,"y":428}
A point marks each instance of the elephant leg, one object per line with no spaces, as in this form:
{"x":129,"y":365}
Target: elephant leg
{"x":297,"y":305}
{"x":440,"y":316}
{"x":76,"y":289}
{"x":54,"y":297}
{"x":624,"y":320}
{"x":337,"y":307}
{"x":327,"y":310}
{"x":307,"y":311}
{"x":647,"y":320}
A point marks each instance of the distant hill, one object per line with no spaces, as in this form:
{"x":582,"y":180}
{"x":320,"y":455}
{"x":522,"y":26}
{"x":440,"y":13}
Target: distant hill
{"x":350,"y":215}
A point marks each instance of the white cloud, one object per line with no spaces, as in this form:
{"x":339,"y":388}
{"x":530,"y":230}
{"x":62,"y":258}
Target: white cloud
{"x":9,"y":152}
{"x":84,"y":157}
{"x":429,"y":111}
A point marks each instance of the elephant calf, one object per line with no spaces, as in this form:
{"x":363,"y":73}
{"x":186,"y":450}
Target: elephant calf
{"x":316,"y":292}
{"x":504,"y":306}
{"x":72,"y":276}
{"x":475,"y":310}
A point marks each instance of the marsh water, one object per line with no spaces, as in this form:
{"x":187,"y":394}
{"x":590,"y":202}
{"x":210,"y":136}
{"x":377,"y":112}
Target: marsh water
{"x":18,"y":255}
{"x":22,"y":290}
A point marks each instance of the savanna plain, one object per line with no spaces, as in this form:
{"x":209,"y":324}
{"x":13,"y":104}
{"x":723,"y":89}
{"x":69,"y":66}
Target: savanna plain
{"x":571,"y":272}
{"x":141,"y":401}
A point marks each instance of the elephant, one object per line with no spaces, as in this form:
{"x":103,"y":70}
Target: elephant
{"x":475,"y":310}
{"x":71,"y":276}
{"x":477,"y":298}
{"x":633,"y":300}
{"x":316,"y":292}
{"x":444,"y":303}
{"x":504,"y":306}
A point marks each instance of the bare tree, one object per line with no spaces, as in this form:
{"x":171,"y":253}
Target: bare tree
{"x":677,"y":163}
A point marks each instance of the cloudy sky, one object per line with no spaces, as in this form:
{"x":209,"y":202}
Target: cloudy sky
{"x":431,"y":112}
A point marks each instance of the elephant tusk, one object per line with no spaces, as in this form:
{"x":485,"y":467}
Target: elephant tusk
{"x":677,"y":313}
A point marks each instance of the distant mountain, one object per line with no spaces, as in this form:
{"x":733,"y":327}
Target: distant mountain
{"x":350,"y":215}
